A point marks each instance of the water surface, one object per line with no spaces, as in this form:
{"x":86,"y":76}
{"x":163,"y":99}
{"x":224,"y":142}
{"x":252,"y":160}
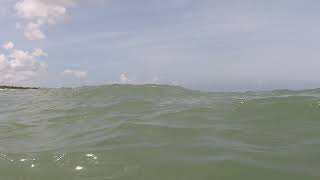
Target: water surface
{"x":158,"y":133}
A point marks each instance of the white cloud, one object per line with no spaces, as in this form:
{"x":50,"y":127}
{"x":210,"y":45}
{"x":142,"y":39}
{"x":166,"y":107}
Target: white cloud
{"x":76,"y":73}
{"x":124,"y":79}
{"x":39,"y":52}
{"x":155,"y":80}
{"x":8,"y":45}
{"x":19,"y":66}
{"x":32,"y":31}
{"x":36,"y":14}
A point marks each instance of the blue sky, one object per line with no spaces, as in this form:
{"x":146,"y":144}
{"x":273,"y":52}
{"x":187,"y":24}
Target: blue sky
{"x":206,"y":44}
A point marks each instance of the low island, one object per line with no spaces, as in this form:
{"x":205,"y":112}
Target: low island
{"x":16,"y":87}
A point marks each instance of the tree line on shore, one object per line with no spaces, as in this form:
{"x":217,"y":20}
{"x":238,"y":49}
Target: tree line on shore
{"x":17,"y":87}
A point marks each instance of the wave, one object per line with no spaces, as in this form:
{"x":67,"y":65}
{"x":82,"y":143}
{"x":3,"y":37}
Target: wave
{"x":134,"y":129}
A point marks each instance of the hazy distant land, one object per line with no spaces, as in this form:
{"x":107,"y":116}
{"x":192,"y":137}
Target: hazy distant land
{"x":17,"y":87}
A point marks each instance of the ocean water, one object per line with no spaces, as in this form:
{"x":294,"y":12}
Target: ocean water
{"x":151,"y":132}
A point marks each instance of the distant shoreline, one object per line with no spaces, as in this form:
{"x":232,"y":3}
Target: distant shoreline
{"x":16,"y":87}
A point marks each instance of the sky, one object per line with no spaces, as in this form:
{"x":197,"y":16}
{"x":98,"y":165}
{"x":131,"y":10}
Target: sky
{"x":219,"y":45}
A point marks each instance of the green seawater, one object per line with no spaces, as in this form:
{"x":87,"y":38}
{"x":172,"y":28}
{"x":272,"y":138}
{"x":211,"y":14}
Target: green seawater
{"x":149,"y":132}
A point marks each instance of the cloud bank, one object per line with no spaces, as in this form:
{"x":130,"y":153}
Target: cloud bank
{"x":19,"y":65}
{"x":36,"y":14}
{"x":8,"y":45}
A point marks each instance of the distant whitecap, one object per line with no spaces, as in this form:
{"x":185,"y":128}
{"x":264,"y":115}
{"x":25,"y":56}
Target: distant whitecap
{"x":78,"y":168}
{"x":92,"y":155}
